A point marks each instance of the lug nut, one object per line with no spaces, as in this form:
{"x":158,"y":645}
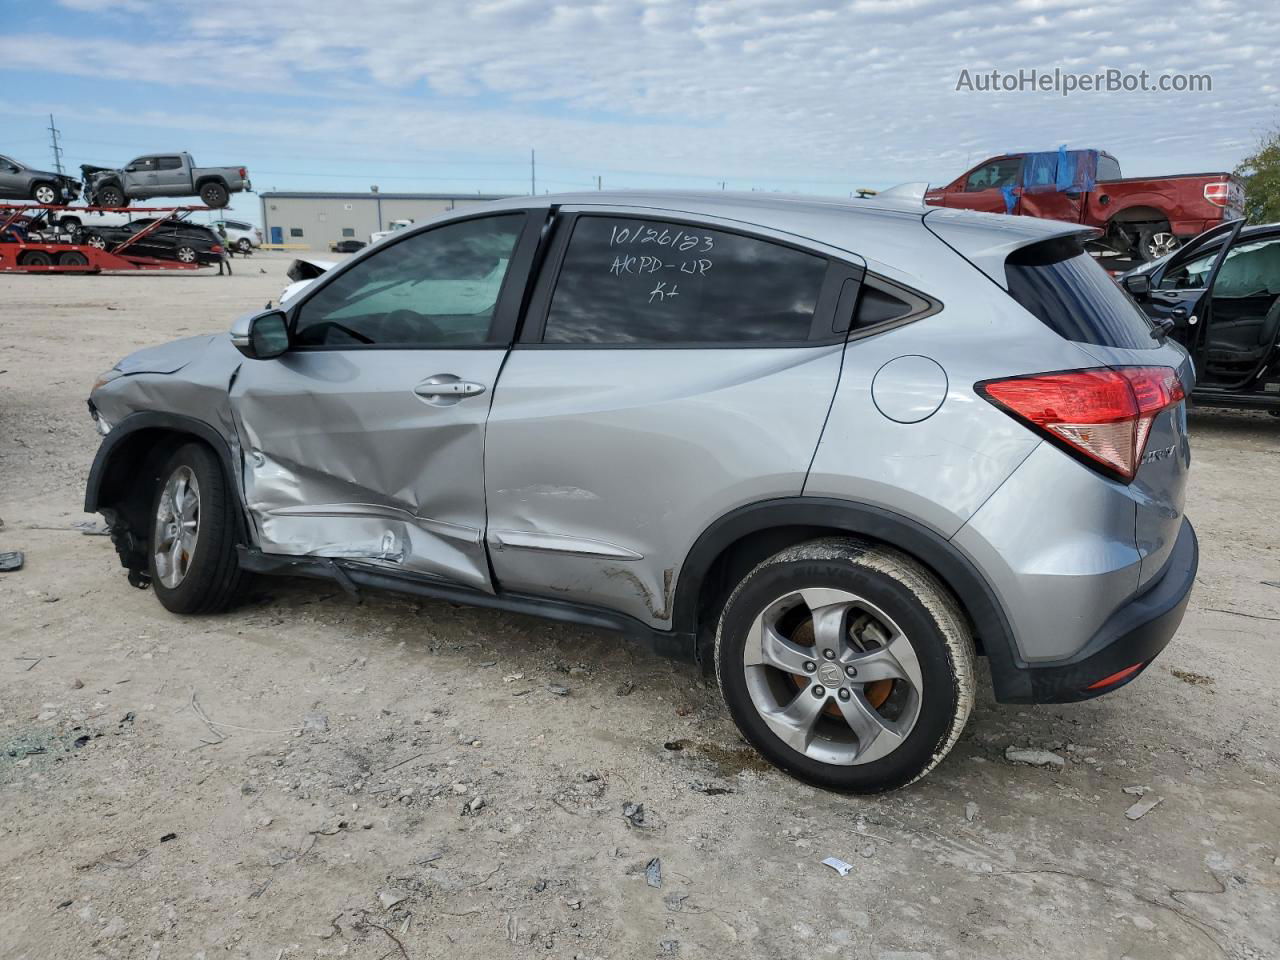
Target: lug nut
{"x":829,"y":654}
{"x":850,"y":672}
{"x":810,"y":666}
{"x":844,"y":694}
{"x":819,"y":691}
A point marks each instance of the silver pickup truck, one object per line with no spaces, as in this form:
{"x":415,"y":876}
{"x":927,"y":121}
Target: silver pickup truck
{"x":162,"y":175}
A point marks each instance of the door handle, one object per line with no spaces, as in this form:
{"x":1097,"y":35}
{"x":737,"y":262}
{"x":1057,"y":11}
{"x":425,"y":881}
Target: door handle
{"x":446,"y":389}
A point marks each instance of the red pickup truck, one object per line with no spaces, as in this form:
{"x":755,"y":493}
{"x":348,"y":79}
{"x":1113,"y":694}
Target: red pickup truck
{"x":1146,"y":216}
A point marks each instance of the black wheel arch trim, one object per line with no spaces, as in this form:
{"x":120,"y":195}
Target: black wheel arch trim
{"x":153,"y":420}
{"x":976,"y":596}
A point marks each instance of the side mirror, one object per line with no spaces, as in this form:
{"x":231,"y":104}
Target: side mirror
{"x":1139,"y":284}
{"x":130,"y":169}
{"x":261,"y":336}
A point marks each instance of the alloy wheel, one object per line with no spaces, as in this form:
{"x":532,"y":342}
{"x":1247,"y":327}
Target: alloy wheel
{"x":177,"y":527}
{"x":186,"y":254}
{"x":833,"y":676}
{"x":1161,"y":244}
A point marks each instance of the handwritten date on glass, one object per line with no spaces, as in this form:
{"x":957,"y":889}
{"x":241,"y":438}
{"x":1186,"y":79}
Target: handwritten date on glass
{"x":631,"y":265}
{"x":680,"y":240}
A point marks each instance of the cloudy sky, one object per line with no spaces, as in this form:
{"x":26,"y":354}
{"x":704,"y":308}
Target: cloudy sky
{"x":793,"y":95}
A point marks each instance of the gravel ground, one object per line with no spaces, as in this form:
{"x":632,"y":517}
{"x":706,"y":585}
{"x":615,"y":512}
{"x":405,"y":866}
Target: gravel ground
{"x":313,"y":777}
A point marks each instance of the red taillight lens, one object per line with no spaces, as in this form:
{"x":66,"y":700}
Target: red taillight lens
{"x":1102,"y":416}
{"x":216,"y":248}
{"x":1217,"y":193}
{"x":244,"y":174}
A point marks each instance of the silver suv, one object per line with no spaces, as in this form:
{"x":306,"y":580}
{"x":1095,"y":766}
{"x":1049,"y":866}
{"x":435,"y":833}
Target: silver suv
{"x":836,"y":450}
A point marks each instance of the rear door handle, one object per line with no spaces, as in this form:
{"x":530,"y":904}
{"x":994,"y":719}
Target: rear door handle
{"x":446,"y":389}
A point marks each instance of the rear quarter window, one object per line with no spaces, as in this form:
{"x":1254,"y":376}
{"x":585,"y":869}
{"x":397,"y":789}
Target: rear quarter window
{"x":1065,"y":289}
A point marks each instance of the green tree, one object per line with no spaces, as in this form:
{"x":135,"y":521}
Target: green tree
{"x":1260,"y":172}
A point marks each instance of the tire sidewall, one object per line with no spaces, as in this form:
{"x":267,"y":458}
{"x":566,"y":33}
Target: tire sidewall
{"x":940,"y":697}
{"x":214,"y":195}
{"x":188,"y":595}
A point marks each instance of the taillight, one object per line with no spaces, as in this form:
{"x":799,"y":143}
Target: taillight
{"x":1101,"y":416}
{"x":244,"y":174}
{"x":216,"y":248}
{"x":1217,"y":193}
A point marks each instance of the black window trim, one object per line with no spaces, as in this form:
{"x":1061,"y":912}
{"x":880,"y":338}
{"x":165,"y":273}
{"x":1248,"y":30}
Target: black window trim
{"x":505,"y":312}
{"x":922,"y":305}
{"x":823,"y":331}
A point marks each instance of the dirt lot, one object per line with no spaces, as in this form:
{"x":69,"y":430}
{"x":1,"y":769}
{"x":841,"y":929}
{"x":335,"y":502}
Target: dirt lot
{"x":312,"y":777}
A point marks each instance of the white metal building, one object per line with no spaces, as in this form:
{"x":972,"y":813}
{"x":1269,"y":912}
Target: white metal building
{"x":317,"y":219}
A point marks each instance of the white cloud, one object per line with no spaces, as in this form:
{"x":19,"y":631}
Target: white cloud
{"x":734,"y":87}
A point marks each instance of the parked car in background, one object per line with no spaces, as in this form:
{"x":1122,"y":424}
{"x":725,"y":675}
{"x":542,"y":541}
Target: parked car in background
{"x":395,"y":227}
{"x":346,"y":246}
{"x":174,"y":240}
{"x":20,"y":182}
{"x":162,"y":175}
{"x":1219,"y":296}
{"x":1146,"y":217}
{"x":242,"y":236}
{"x":832,"y":448}
{"x":301,"y":273}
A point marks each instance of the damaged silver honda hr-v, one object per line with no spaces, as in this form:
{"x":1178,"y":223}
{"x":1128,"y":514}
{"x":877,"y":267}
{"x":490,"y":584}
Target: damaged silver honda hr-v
{"x":835,"y":450}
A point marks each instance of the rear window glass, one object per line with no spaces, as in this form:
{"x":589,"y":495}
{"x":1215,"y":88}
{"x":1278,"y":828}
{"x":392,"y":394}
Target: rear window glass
{"x":1071,"y":295}
{"x":633,"y":281}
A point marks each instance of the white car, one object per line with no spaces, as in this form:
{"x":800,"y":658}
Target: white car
{"x":396,"y":227}
{"x":241,"y":236}
{"x":302,"y":272}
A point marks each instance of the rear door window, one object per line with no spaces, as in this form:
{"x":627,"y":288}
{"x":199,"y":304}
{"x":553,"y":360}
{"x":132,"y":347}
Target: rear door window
{"x":629,"y":281}
{"x":1062,"y":286}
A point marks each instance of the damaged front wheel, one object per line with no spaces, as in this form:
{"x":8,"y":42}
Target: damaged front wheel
{"x":193,"y":563}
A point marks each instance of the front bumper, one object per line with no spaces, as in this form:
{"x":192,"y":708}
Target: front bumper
{"x":1127,"y":641}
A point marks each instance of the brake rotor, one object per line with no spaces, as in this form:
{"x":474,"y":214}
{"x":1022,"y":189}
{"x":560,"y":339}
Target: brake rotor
{"x":876,"y":692}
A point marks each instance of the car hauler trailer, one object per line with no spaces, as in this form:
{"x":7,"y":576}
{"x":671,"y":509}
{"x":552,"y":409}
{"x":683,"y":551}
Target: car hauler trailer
{"x":20,"y":253}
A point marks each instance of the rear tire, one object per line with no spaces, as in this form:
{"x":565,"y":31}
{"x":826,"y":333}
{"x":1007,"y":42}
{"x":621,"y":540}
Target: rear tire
{"x":245,"y":246}
{"x":1156,"y":242}
{"x":192,"y":543}
{"x":882,"y":616}
{"x":186,"y":253}
{"x":72,"y":258}
{"x":35,"y":258}
{"x":214,"y":195}
{"x":95,"y":240}
{"x":46,"y":193}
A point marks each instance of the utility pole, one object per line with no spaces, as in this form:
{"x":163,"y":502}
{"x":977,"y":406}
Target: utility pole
{"x":599,"y":182}
{"x":57,"y":149}
{"x":533,"y":175}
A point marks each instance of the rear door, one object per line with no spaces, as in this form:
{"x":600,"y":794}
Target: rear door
{"x":670,"y":369}
{"x":365,"y":440}
{"x":172,"y":178}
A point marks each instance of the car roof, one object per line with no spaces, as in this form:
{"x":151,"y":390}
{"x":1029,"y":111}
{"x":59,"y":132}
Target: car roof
{"x":876,"y":228}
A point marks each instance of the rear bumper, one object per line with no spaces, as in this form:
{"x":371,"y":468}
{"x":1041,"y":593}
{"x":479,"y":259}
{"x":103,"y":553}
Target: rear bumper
{"x":1125,"y":644}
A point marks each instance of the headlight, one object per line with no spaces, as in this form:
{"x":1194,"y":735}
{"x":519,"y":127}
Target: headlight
{"x":105,"y":378}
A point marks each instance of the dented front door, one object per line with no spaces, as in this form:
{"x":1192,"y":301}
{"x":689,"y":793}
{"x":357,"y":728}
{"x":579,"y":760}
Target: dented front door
{"x":365,"y":440}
